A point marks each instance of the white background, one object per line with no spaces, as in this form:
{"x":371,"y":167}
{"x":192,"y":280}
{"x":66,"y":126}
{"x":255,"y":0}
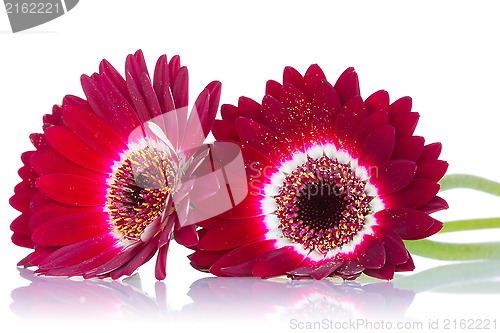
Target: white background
{"x":445,"y":55}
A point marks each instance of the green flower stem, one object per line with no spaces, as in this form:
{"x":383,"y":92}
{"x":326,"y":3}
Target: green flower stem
{"x":452,"y":251}
{"x":468,"y":181}
{"x":457,"y":251}
{"x":475,"y":224}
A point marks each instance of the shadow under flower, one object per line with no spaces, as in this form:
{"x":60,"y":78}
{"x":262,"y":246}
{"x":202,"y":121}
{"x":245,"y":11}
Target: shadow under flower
{"x":50,"y":299}
{"x":245,"y":300}
{"x":251,"y":299}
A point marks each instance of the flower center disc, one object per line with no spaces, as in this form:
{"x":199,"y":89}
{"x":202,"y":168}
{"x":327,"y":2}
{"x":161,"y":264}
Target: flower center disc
{"x":138,"y":190}
{"x":322,"y":204}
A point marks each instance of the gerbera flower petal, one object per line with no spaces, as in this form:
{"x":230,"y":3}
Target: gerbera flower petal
{"x":378,"y":147}
{"x":393,"y":176}
{"x":66,"y":143}
{"x":406,"y":222}
{"x":385,"y":273}
{"x":224,"y":130}
{"x":299,"y":108}
{"x":72,"y":189}
{"x":273,"y":89}
{"x":70,"y":229}
{"x":379,"y":100}
{"x":431,"y":169}
{"x":277,"y":262}
{"x":48,"y":161}
{"x":376,"y":119}
{"x":261,"y":138}
{"x":312,"y":79}
{"x":245,"y":254}
{"x":325,"y":107}
{"x":347,"y":85}
{"x":371,"y":253}
{"x":334,"y":184}
{"x":408,"y":148}
{"x":415,"y":195}
{"x":351,"y":115}
{"x":395,"y":250}
{"x":276,"y":117}
{"x":232,"y":233}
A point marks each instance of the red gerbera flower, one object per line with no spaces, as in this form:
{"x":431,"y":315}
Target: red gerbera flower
{"x":335,"y":183}
{"x":96,"y":195}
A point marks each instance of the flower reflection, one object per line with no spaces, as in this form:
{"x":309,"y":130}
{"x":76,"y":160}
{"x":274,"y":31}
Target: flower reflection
{"x":49,"y":299}
{"x":256,"y":299}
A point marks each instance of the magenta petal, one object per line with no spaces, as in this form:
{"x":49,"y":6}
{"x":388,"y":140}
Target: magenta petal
{"x":143,"y":255}
{"x":406,"y":222}
{"x":72,"y":189}
{"x":400,"y":106}
{"x":78,"y":252}
{"x":110,"y":105}
{"x":434,"y":229}
{"x":350,"y":116}
{"x":273,"y":89}
{"x":404,"y":124}
{"x":408,"y":148}
{"x":378,"y":147}
{"x":206,"y":110}
{"x":371,"y":252}
{"x":66,"y":143}
{"x":70,"y":229}
{"x":435,"y":205}
{"x":407,"y":266}
{"x":299,"y":108}
{"x":263,"y":139}
{"x":232,"y":233}
{"x":395,"y":249}
{"x":186,"y":236}
{"x":20,"y":225}
{"x":293,"y":77}
{"x":162,"y":84}
{"x":351,"y":267}
{"x":180,"y":89}
{"x":379,"y":100}
{"x":243,"y":254}
{"x":276,"y":117}
{"x":375,"y":120}
{"x":244,"y":269}
{"x":393,"y":176}
{"x":114,"y":77}
{"x":432,"y":169}
{"x":48,"y":161}
{"x":224,"y":130}
{"x":312,"y":79}
{"x":347,"y":85}
{"x":93,"y":131}
{"x":206,"y":258}
{"x":161,"y":263}
{"x":248,"y":208}
{"x":229,"y":112}
{"x":416,"y":194}
{"x":431,"y":151}
{"x":325,"y":107}
{"x":385,"y":273}
{"x":327,"y":268}
{"x":250,"y":109}
{"x":277,"y":262}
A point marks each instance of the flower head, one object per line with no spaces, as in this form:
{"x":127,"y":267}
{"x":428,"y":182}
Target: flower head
{"x":335,"y":183}
{"x":97,"y":193}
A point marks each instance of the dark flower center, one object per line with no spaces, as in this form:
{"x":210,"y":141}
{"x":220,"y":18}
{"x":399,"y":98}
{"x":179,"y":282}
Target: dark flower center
{"x":138,"y":191}
{"x":322,"y":204}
